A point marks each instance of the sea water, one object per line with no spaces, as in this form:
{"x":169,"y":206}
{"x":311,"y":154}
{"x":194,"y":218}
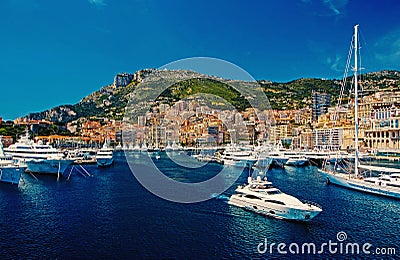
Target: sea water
{"x":111,"y":215}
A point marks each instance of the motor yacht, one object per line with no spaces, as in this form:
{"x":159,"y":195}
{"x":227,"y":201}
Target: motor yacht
{"x":261,"y":197}
{"x":104,"y":156}
{"x":296,"y":159}
{"x":238,"y":158}
{"x":9,"y":171}
{"x":25,"y":149}
{"x":38,"y":157}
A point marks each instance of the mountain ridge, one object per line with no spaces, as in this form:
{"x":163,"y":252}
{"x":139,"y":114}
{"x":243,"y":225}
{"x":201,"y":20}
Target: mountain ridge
{"x":109,"y":101}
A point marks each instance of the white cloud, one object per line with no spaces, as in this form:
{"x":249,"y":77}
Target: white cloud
{"x":337,"y":64}
{"x":324,"y":54}
{"x":326,"y":7}
{"x":332,"y":5}
{"x":97,"y":2}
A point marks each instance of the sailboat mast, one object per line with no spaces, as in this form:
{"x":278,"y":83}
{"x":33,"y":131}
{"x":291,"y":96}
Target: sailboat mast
{"x":356,"y":163}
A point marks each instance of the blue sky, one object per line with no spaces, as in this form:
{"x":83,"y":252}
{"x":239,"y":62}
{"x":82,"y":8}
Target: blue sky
{"x":57,"y":52}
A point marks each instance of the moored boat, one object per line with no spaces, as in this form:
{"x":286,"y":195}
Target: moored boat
{"x":9,"y":171}
{"x":238,"y":158}
{"x":49,"y":165}
{"x":356,"y":176}
{"x":38,"y":158}
{"x":25,"y":149}
{"x":104,"y":156}
{"x":296,"y":159}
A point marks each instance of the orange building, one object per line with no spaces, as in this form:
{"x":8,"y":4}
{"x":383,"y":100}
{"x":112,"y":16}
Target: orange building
{"x":7,"y":141}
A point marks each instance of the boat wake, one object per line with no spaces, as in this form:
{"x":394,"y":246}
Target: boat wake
{"x":235,"y":213}
{"x":220,"y":197}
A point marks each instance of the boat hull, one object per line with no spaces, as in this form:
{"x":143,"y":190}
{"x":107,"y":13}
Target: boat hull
{"x":296,"y":162}
{"x":279,"y":161}
{"x":10,"y":174}
{"x":238,"y":163}
{"x":264,"y":163}
{"x":48,"y":166}
{"x":273,"y":210}
{"x":105,"y":162}
{"x":355,"y":184}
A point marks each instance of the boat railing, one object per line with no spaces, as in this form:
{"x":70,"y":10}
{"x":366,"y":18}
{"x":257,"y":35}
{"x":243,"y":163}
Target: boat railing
{"x":311,"y":203}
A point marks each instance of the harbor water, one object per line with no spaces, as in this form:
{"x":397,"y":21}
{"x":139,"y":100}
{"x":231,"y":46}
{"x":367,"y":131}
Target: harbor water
{"x":110,"y":215}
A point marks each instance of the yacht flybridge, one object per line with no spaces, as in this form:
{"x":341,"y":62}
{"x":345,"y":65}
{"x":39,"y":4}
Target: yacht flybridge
{"x":261,"y":197}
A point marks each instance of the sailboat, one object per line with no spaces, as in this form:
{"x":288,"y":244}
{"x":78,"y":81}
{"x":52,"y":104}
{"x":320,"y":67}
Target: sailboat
{"x":382,"y":180}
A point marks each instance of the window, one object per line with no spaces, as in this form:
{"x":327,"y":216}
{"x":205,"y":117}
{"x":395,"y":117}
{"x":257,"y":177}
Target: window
{"x":393,"y":185}
{"x":275,"y":201}
{"x":274,"y":192}
{"x":249,"y":196}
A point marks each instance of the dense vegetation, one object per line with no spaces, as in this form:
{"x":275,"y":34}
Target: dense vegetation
{"x":108,"y":102}
{"x":192,"y":87}
{"x":54,"y":129}
{"x":9,"y":129}
{"x":297,"y":94}
{"x":15,"y":131}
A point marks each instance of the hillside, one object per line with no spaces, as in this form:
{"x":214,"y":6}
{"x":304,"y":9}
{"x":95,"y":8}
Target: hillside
{"x":189,"y":87}
{"x":111,"y":100}
{"x":297,"y":94}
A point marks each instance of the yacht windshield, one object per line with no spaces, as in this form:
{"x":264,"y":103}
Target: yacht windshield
{"x":272,"y":192}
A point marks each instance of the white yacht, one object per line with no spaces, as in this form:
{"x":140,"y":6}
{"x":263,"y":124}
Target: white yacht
{"x":263,"y":198}
{"x":9,"y":171}
{"x":38,"y":158}
{"x":51,"y":165}
{"x":278,"y":158}
{"x":118,"y":147}
{"x":283,"y":157}
{"x":104,"y":156}
{"x":238,"y":158}
{"x":83,"y":155}
{"x":356,"y":176}
{"x":25,"y":149}
{"x":387,"y":184}
{"x":295,"y":159}
{"x":204,"y":157}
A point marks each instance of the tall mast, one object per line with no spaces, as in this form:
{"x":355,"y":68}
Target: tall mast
{"x":356,"y":163}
